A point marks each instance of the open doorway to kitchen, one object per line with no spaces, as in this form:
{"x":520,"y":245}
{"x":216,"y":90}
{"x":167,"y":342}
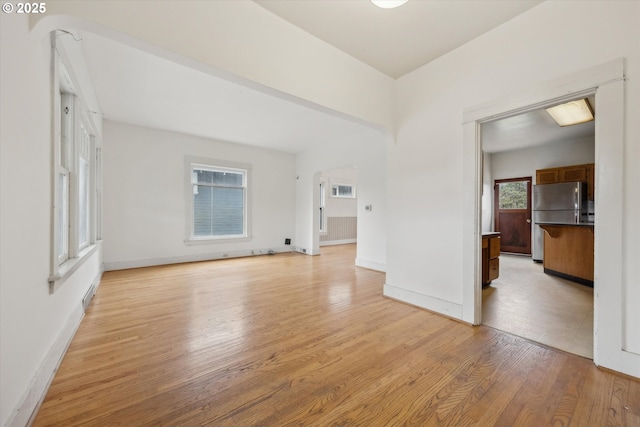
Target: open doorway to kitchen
{"x":607,"y":82}
{"x":523,"y":299}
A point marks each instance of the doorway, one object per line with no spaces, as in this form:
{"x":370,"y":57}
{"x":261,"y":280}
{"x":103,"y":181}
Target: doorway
{"x":606,"y":81}
{"x":337,"y":206}
{"x":512,"y":213}
{"x":523,"y":300}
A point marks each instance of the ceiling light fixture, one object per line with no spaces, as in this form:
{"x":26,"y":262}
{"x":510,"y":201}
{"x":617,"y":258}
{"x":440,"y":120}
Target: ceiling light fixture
{"x":388,"y":4}
{"x":571,"y":113}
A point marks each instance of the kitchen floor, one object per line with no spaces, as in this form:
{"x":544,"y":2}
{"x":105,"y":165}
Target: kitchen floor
{"x":543,"y":308}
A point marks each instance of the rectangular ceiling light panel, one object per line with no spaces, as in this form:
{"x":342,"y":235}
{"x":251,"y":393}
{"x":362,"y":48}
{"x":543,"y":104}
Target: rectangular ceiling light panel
{"x":571,"y":113}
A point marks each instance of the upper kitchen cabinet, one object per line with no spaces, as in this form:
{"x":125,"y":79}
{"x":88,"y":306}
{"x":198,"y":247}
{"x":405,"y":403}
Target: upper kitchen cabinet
{"x":575,"y":173}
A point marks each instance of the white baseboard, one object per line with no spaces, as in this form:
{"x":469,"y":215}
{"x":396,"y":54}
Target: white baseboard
{"x":371,"y":265}
{"x":437,"y":305}
{"x":338,"y":242}
{"x":305,"y":251}
{"x":149,"y":262}
{"x":25,"y":412}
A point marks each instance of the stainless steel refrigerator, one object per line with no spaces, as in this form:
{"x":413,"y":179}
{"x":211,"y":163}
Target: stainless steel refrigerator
{"x":564,"y":203}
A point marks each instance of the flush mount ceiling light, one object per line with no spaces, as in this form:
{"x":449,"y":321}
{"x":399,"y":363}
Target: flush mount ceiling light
{"x":388,"y":4}
{"x":571,"y":113}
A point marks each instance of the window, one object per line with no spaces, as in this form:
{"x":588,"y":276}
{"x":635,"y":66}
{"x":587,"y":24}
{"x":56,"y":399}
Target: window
{"x":219,"y":202}
{"x":74,"y":186}
{"x":84,"y":183}
{"x":76,"y":176}
{"x":322,"y":210}
{"x":512,"y":195}
{"x":343,"y":190}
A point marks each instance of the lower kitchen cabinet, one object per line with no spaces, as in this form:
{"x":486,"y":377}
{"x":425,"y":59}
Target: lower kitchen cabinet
{"x":568,"y":252}
{"x":490,"y":257}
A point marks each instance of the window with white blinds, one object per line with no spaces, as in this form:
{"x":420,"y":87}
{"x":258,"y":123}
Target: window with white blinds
{"x":219,"y":202}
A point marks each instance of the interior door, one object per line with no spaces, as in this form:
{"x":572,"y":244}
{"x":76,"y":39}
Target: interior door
{"x":512,"y":213}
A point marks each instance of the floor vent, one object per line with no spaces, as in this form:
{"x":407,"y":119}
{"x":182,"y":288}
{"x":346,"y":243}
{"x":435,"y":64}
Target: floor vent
{"x":86,"y":300}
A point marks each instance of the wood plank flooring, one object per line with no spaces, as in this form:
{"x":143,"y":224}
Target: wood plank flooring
{"x":292,"y":339}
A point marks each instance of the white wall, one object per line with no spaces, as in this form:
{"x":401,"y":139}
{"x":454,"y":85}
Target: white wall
{"x":525,"y":162}
{"x":340,"y":206}
{"x":426,"y":208}
{"x":145,"y":201}
{"x":35,"y":325}
{"x":367,"y":152}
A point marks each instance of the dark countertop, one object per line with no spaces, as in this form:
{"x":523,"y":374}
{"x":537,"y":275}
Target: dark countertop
{"x":491,"y":233}
{"x":577,"y":224}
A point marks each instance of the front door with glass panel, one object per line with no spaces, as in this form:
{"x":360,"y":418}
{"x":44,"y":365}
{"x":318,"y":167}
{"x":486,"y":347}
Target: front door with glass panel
{"x":512,"y":214}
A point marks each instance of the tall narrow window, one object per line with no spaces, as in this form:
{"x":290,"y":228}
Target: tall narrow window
{"x":75,"y":191}
{"x":84,"y":195}
{"x":63,"y":182}
{"x":219,"y":202}
{"x":62,"y":207}
{"x":322,"y":210}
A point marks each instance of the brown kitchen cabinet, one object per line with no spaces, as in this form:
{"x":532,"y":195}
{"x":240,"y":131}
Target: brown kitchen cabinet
{"x":490,"y":257}
{"x":575,"y":173}
{"x":568,"y":252}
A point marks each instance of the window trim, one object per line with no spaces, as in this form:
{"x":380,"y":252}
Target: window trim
{"x":216,"y":165}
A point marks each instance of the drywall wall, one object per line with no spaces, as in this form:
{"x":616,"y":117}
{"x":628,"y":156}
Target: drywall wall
{"x":145,"y":200}
{"x":340,"y":206}
{"x":426,"y":164}
{"x":525,"y":162}
{"x":35,"y":325}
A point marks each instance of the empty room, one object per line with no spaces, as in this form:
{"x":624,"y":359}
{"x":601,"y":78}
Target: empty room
{"x":272,"y":212}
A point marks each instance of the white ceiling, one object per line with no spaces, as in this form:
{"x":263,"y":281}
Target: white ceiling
{"x":397,"y":41}
{"x":136,"y":87}
{"x":530,"y":129}
{"x":139,"y":88}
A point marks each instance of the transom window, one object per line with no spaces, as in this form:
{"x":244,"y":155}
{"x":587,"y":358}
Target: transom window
{"x":219,"y":202}
{"x":343,"y":190}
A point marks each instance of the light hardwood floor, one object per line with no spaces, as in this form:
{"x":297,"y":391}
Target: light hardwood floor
{"x":526,"y":302}
{"x":292,"y":339}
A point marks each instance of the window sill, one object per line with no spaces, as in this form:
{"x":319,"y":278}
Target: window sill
{"x":71,"y":265}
